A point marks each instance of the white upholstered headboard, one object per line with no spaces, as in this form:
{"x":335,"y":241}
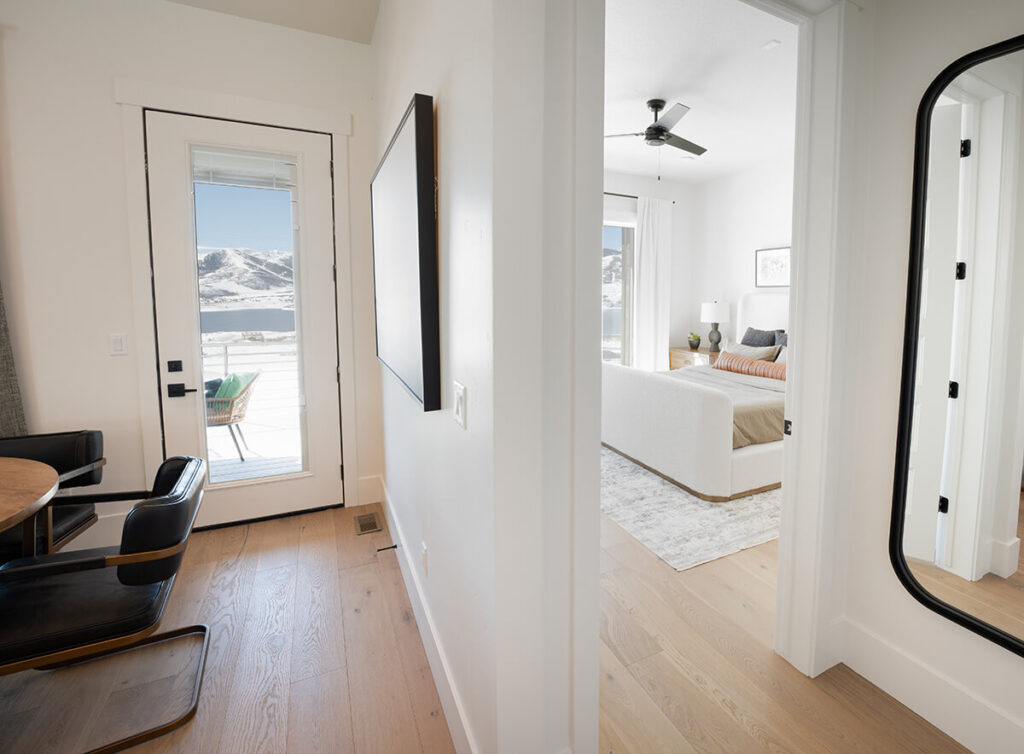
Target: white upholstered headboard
{"x":764,"y":310}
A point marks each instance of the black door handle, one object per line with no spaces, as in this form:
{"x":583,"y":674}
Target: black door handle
{"x":178,"y":390}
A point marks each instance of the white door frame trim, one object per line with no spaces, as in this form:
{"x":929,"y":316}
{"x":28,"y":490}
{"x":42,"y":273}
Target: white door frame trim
{"x":811,"y":590}
{"x":133,"y":97}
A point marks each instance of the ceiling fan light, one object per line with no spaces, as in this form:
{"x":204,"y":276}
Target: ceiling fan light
{"x":655,"y":142}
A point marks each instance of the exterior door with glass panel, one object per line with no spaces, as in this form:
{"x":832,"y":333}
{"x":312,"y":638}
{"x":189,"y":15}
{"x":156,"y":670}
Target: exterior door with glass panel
{"x":243,"y":259}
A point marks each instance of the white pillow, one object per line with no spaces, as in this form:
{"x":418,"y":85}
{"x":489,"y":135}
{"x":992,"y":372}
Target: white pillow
{"x":781,"y":358}
{"x":761,"y":353}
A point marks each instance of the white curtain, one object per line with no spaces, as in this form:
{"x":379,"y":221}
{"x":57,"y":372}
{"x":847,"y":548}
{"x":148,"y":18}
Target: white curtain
{"x":652,"y":270}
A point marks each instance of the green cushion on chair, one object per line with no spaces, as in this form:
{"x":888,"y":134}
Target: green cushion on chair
{"x":234,"y":384}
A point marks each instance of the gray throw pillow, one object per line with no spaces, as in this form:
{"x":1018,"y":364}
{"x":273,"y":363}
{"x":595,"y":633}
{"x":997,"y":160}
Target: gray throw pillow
{"x":781,"y":338}
{"x":760,"y":338}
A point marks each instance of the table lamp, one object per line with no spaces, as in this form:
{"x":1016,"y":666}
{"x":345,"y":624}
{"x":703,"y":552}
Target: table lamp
{"x":713,"y":312}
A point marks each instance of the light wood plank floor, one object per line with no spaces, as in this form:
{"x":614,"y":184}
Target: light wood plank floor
{"x":313,"y":648}
{"x":687,"y":666}
{"x":992,"y":598}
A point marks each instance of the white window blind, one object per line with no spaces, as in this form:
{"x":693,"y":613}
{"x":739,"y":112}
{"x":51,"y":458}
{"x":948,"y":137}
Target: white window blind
{"x":231,"y":168}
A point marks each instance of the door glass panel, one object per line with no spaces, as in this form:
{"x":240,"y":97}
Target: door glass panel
{"x":246,"y":249}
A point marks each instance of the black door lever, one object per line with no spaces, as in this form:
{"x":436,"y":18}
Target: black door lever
{"x":178,"y":390}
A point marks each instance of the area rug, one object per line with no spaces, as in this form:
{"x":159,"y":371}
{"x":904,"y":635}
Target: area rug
{"x":679,"y":528}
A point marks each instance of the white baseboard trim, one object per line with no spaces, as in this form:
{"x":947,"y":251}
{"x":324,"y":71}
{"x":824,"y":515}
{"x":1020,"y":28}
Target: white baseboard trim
{"x":370,"y":489}
{"x":1004,"y":558}
{"x":454,"y":710}
{"x":947,"y":704}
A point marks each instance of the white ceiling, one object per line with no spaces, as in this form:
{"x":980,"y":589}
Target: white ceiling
{"x":707,"y":54}
{"x":345,"y":19}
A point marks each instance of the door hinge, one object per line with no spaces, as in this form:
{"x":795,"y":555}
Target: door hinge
{"x":954,"y":389}
{"x":961,"y":270}
{"x":342,"y":470}
{"x":334,"y":273}
{"x":943,"y":504}
{"x":337,"y":374}
{"x":332,"y":169}
{"x":965,"y":147}
{"x":787,"y":427}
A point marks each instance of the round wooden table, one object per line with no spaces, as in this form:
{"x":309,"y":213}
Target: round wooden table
{"x":25,"y":489}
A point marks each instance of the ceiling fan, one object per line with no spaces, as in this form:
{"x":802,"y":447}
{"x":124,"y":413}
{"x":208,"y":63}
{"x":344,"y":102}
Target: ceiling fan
{"x":660,"y":131}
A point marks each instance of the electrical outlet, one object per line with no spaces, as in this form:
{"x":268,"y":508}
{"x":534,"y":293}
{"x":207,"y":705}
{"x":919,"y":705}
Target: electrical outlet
{"x":423,"y":547}
{"x":459,"y":403}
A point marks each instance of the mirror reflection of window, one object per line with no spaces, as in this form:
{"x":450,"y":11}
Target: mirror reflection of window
{"x":965,"y":471}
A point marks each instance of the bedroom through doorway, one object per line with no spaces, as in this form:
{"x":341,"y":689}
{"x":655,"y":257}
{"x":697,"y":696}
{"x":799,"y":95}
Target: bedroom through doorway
{"x":700,"y":131}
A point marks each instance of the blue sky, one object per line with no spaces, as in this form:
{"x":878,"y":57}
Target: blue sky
{"x":241,"y":217}
{"x":612,"y":237}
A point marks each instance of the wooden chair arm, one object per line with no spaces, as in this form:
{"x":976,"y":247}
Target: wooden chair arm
{"x":87,"y":563}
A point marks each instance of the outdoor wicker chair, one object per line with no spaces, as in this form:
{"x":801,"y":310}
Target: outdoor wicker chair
{"x":227,"y":408}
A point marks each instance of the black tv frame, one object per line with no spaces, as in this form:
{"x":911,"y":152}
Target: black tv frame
{"x":421,"y":112}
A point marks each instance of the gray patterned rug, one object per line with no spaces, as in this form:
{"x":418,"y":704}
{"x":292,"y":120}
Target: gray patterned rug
{"x":679,"y":528}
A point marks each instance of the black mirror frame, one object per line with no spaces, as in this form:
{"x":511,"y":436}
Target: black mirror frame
{"x":911,"y":330}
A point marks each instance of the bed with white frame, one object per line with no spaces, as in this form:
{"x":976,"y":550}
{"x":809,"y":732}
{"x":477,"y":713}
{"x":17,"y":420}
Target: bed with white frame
{"x":684,"y":431}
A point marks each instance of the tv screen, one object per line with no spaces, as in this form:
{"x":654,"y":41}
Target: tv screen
{"x":405,"y":278}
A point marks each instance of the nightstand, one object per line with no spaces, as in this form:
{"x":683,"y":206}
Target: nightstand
{"x":687,"y":357}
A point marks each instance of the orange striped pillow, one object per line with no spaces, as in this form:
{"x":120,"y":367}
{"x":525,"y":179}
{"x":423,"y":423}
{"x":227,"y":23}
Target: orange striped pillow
{"x":731,"y":362}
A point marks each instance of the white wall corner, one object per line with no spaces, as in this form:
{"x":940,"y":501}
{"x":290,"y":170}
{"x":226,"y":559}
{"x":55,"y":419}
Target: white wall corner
{"x":370,"y":490}
{"x":454,"y":709}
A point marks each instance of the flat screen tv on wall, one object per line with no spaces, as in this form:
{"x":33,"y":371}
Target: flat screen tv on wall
{"x":405,"y":275}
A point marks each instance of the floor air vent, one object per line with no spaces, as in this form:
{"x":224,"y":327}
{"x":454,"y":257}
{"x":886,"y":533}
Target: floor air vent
{"x":367,"y":523}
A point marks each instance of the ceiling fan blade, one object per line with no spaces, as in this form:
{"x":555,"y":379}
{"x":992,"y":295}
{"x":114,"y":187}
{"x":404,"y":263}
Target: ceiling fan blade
{"x":687,"y":146}
{"x":618,"y":136}
{"x":672,"y":116}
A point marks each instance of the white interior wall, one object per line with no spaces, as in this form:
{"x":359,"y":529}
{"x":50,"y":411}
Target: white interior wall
{"x":65,"y":263}
{"x":733,"y":216}
{"x":439,"y":476}
{"x":508,"y":607}
{"x":716,"y":227}
{"x":961,"y":682}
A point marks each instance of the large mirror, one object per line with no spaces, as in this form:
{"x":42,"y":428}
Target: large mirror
{"x":957,"y":518}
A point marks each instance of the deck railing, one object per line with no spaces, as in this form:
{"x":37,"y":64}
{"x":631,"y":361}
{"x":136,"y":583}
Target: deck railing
{"x":277,"y":362}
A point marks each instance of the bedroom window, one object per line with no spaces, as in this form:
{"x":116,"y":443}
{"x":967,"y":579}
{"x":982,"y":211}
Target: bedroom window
{"x":617,"y":293}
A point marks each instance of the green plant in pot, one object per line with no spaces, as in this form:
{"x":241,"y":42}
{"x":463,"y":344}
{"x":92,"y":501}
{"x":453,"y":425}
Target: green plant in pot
{"x":694,"y":341}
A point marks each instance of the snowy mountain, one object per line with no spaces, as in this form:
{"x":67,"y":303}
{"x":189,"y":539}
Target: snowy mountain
{"x":611,"y":278}
{"x":245,"y":279}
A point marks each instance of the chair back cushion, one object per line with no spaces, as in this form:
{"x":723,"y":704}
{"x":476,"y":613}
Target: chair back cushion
{"x":234,"y":384}
{"x":64,"y":451}
{"x":164,"y":520}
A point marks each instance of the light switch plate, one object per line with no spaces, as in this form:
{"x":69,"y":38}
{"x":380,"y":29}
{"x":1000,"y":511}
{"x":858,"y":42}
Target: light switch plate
{"x":118,"y":344}
{"x":459,"y":403}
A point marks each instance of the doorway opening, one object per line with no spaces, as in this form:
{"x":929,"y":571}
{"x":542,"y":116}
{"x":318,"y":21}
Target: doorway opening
{"x":700,"y":126}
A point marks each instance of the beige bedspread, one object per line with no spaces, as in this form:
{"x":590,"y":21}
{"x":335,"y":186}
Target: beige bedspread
{"x":758,"y":403}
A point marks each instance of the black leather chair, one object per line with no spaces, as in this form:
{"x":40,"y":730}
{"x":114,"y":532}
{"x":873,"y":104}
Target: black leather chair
{"x":71,"y":607}
{"x":78,"y":459}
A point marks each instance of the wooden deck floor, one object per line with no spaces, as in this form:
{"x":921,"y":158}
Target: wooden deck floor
{"x":314,"y":648}
{"x":687,"y":666}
